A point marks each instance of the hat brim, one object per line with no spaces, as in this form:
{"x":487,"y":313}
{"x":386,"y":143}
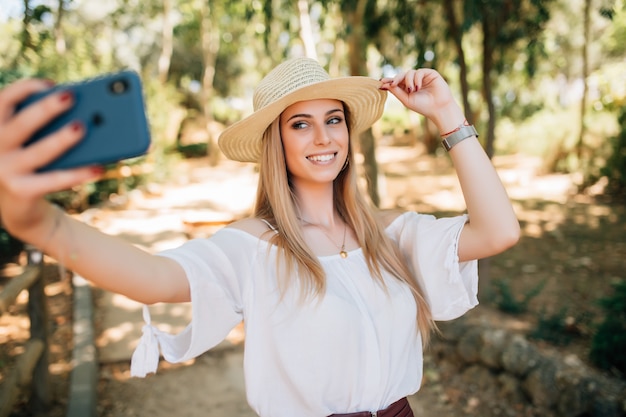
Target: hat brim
{"x":241,"y":141}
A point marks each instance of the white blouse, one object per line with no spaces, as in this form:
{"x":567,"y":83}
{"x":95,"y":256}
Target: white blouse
{"x":354,"y":349}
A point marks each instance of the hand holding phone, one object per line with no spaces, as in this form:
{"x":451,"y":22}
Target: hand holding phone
{"x":112,"y":110}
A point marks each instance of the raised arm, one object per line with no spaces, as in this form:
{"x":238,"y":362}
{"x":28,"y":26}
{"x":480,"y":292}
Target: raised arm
{"x":493,"y":226}
{"x":108,"y":262}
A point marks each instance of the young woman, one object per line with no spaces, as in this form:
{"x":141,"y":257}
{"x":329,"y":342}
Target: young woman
{"x":337,"y":298}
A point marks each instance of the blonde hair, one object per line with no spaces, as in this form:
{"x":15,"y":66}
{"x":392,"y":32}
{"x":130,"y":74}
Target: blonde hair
{"x":275,"y":202}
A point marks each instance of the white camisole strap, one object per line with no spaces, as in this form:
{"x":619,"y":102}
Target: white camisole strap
{"x":269,"y":225}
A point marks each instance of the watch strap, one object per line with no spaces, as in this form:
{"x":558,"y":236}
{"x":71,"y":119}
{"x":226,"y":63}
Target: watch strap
{"x":463,"y":133}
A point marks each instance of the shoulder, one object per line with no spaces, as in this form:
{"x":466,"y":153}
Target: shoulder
{"x":253,"y":226}
{"x":386,"y":217}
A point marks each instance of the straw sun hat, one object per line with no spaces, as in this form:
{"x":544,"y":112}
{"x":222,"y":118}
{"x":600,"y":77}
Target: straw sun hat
{"x":297,"y":80}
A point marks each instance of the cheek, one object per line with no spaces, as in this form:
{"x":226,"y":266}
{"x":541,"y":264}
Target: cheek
{"x":341,"y":136}
{"x":289,"y":146}
{"x":286,"y":142}
{"x":292,"y":151}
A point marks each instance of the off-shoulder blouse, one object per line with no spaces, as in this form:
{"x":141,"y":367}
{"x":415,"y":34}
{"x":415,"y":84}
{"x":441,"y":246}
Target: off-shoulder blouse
{"x":354,"y":349}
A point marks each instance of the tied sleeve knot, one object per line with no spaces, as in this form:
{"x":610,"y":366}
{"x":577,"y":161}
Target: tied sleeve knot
{"x":145,"y":358}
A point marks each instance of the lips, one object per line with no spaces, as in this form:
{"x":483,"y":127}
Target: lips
{"x":322,"y":158}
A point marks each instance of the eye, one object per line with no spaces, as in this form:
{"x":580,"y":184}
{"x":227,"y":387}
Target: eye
{"x":335,"y":120}
{"x":299,"y":125}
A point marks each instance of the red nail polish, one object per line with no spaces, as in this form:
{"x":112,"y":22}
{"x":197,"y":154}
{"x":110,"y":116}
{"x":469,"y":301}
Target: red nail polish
{"x":97,"y":170}
{"x":66,"y":96}
{"x":76,"y":126}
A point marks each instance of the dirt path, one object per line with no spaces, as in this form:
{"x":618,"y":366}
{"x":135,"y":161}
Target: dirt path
{"x":211,"y":386}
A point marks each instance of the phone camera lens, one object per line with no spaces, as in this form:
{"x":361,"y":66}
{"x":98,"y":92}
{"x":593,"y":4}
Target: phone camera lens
{"x":118,"y":86}
{"x":97,"y":119}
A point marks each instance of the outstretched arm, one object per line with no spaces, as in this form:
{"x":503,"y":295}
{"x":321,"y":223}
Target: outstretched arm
{"x":493,"y":226}
{"x":108,"y":262}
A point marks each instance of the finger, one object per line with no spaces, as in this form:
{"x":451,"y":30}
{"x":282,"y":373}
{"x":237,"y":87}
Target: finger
{"x":429,"y":76}
{"x":386,"y":83}
{"x":399,"y":92}
{"x":17,"y":92}
{"x":403,"y":85}
{"x":46,"y":150}
{"x":418,"y":79}
{"x":399,"y":79}
{"x":65,"y":179}
{"x":406,"y":80}
{"x":392,"y":81}
{"x":40,"y":184}
{"x":410,"y":82}
{"x":23,"y":125}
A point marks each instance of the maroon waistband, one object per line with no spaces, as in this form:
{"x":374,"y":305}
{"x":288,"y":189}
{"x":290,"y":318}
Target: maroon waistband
{"x":400,"y":408}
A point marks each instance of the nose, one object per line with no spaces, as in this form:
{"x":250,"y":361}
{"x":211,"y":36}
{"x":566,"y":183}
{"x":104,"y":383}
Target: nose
{"x":321,"y":136}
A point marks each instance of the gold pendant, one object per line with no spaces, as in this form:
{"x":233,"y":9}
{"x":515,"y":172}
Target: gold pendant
{"x":343,"y":254}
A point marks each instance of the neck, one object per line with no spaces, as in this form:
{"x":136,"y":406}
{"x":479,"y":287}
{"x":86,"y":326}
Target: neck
{"x":316,"y":205}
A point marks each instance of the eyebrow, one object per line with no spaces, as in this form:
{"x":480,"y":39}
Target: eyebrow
{"x":308,"y":116}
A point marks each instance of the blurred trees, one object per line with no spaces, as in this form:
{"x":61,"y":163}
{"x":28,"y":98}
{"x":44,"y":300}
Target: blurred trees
{"x":511,"y":34}
{"x":543,"y":77}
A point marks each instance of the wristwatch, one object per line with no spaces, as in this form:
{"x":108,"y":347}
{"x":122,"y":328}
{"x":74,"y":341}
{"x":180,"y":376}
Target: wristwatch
{"x":463,"y":133}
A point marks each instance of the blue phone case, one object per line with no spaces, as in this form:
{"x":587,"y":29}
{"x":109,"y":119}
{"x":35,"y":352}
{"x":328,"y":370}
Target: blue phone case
{"x":112,"y":109}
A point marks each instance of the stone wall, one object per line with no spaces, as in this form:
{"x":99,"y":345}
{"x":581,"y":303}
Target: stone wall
{"x":518,"y":372}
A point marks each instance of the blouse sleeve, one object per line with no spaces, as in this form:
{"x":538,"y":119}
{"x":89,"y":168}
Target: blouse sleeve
{"x":431,"y":248}
{"x":216,"y":301}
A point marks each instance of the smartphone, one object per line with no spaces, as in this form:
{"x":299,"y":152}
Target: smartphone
{"x":111,"y":107}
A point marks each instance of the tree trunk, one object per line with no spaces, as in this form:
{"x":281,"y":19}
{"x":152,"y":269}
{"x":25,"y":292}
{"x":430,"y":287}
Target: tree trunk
{"x":25,"y":39}
{"x":486,"y":287}
{"x":306,"y":33}
{"x":40,"y":387}
{"x":272,"y":49}
{"x":209,"y":36}
{"x":585,"y":75}
{"x":167,"y":38}
{"x":357,"y":46}
{"x":59,"y":35}
{"x":457,"y":38}
{"x":488,"y":51}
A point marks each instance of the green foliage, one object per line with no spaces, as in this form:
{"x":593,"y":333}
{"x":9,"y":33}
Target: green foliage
{"x":530,"y":54}
{"x":609,"y":341}
{"x":614,"y":39}
{"x":8,"y":76}
{"x":163,"y":104}
{"x":9,"y":247}
{"x":615,"y":168}
{"x":193,"y":150}
{"x":553,"y":328}
{"x":513,"y":28}
{"x":101,"y":190}
{"x":94,"y":193}
{"x":508,"y":302}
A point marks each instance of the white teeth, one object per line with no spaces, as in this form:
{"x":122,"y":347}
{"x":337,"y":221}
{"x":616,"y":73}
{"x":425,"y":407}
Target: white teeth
{"x":321,"y":158}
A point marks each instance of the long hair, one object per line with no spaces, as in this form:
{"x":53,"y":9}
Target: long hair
{"x":276,"y":203}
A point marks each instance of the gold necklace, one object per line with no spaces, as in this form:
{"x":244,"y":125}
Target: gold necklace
{"x":342,"y":248}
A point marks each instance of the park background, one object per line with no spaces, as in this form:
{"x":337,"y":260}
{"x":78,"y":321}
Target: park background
{"x":543,"y":81}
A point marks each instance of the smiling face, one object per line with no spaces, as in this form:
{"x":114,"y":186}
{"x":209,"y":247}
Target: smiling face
{"x":315,"y":140}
